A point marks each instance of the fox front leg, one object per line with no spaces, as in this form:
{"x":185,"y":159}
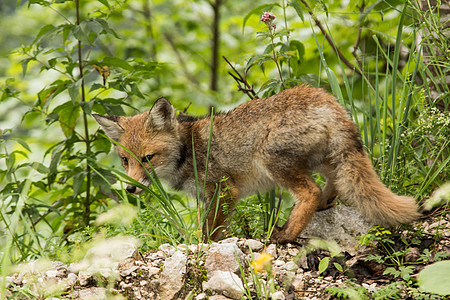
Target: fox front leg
{"x":219,"y":208}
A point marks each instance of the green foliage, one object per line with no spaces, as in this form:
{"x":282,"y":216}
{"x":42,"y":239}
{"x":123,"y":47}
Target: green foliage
{"x":247,"y":218}
{"x":352,"y":291}
{"x":390,"y":291}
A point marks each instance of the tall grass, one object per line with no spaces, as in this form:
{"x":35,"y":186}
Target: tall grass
{"x":387,"y":113}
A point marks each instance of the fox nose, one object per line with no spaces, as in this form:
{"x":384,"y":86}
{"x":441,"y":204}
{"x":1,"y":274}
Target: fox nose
{"x":131,"y":189}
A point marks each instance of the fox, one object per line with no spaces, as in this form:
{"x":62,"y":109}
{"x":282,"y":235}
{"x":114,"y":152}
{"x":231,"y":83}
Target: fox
{"x":262,"y":144}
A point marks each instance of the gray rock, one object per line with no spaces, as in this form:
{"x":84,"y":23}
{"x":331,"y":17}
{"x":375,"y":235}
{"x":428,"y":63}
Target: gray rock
{"x":231,"y":240}
{"x":339,"y":223}
{"x":224,"y":257}
{"x":254,"y":245}
{"x":225,"y":283}
{"x":172,"y":274}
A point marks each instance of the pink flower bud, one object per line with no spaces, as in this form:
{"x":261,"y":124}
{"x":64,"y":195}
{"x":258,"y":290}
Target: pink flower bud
{"x":267,"y":18}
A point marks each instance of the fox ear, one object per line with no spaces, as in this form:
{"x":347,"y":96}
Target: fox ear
{"x":161,"y":115}
{"x":110,"y":125}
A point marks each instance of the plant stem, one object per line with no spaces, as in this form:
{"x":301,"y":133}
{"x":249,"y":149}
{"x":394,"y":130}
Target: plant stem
{"x":275,"y":58}
{"x":87,"y":202}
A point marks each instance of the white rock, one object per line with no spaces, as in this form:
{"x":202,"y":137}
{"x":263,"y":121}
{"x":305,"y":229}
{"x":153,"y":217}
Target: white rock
{"x":272,"y":250}
{"x":201,"y":296}
{"x":84,"y":277}
{"x":199,"y":247}
{"x":167,"y":249}
{"x":51,"y":273}
{"x":278,"y":296}
{"x":224,"y":257}
{"x":297,"y":282}
{"x":153,"y":271}
{"x":92,"y":293}
{"x":225,"y":283}
{"x":171,"y":278}
{"x":290,"y":266}
{"x":278,"y":263}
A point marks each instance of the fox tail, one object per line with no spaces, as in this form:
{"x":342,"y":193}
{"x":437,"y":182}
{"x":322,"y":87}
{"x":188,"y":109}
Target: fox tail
{"x":359,"y":185}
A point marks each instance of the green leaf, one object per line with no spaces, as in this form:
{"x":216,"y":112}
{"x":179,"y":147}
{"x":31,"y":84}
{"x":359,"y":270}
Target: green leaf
{"x":47,"y":29}
{"x":68,"y":115}
{"x":87,"y":106}
{"x":435,"y":278}
{"x":24,"y":64}
{"x":81,"y":35}
{"x":323,"y":264}
{"x":298,"y":8}
{"x":105,"y":3}
{"x":74,"y":89}
{"x":103,"y":179}
{"x":117,"y":62}
{"x":56,"y":158}
{"x":338,"y":267}
{"x":106,"y":27}
{"x":78,"y":180}
{"x":40,"y":168}
{"x":22,"y":143}
{"x":368,"y":10}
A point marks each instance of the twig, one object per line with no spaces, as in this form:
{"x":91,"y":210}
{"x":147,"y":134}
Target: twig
{"x":246,"y":88}
{"x":358,"y":37}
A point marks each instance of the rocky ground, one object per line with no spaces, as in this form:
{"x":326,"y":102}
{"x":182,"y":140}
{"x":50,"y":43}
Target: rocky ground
{"x":249,"y":269}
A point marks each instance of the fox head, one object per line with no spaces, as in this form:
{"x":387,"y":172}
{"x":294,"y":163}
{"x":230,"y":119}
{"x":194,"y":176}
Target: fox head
{"x":145,"y":140}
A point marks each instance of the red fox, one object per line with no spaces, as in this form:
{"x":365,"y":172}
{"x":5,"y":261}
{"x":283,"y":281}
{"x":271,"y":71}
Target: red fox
{"x":259,"y":145}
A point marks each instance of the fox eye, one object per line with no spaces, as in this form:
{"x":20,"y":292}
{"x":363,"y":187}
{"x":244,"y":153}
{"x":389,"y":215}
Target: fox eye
{"x":124,"y":161}
{"x":147,"y":158}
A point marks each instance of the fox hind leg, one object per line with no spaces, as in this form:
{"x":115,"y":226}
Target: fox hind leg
{"x":307,"y":195}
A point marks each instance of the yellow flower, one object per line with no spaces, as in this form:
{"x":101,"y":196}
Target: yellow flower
{"x":263,"y":263}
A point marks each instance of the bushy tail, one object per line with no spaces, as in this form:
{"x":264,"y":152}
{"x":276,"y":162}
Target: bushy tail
{"x":359,"y":186}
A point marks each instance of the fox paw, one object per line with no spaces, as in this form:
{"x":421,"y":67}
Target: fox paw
{"x":279,"y":236}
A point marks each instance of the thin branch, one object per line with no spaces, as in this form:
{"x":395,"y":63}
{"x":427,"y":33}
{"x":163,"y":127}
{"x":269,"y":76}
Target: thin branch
{"x":87,"y":212}
{"x":358,"y":37}
{"x":246,"y":88}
